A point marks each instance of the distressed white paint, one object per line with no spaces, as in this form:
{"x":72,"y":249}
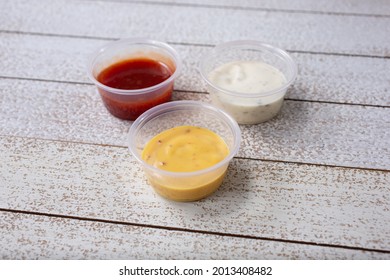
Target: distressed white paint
{"x":39,"y":237}
{"x":262,"y":199}
{"x":91,"y":179}
{"x":361,"y":7}
{"x":321,"y":77}
{"x":330,"y":134}
{"x":305,"y":32}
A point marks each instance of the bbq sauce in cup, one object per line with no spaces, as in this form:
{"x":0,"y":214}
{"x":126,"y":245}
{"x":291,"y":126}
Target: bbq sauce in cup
{"x":134,"y":74}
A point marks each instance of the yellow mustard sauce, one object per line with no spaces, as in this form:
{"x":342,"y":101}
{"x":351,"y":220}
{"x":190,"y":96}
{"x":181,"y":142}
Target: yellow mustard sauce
{"x":186,"y":149}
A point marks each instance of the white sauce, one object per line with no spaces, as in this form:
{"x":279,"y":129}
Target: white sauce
{"x":249,"y":78}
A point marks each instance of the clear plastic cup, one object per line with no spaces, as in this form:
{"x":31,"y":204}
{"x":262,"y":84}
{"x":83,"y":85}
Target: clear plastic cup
{"x":254,"y":107}
{"x":129,"y":104}
{"x":184,"y":186}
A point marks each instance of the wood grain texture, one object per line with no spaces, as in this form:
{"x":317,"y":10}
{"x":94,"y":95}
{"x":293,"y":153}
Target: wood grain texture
{"x":69,"y":189}
{"x":321,"y":77}
{"x":352,"y":7}
{"x":41,"y":237}
{"x":322,"y":205}
{"x":323,"y":32}
{"x":331,"y":134}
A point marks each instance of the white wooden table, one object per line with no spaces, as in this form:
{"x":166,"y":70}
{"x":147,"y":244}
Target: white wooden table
{"x":313,"y":183}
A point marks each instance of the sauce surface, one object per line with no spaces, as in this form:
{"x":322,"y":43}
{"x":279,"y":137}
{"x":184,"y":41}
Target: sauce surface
{"x":185,"y":149}
{"x":247,"y":77}
{"x":134,"y":74}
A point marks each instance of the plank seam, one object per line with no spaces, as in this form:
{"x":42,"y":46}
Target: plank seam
{"x":236,"y":157}
{"x":316,"y":164}
{"x":197,"y":92}
{"x":182,"y":43}
{"x":232,"y":7}
{"x":336,"y":103}
{"x":243,"y":236}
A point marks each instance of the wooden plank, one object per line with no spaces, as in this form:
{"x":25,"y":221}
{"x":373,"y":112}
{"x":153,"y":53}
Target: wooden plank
{"x":322,"y":32}
{"x":322,"y":205}
{"x":352,"y":7}
{"x":321,"y":77}
{"x":331,"y":134}
{"x":41,"y":237}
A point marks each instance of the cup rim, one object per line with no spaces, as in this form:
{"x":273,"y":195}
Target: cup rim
{"x":134,"y":41}
{"x":256,"y":45}
{"x":176,"y":106}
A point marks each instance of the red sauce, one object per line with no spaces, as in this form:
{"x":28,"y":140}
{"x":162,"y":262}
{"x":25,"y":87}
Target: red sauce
{"x":134,"y":74}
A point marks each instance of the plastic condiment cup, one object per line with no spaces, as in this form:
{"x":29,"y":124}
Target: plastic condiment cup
{"x":184,"y":186}
{"x":129,"y":104}
{"x":247,"y":108}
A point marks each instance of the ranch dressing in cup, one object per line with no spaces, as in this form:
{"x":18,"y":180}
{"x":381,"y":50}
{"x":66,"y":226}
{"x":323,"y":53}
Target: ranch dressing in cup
{"x":248,"y":79}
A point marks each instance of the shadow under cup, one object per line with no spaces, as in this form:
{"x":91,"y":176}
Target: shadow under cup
{"x":129,"y":104}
